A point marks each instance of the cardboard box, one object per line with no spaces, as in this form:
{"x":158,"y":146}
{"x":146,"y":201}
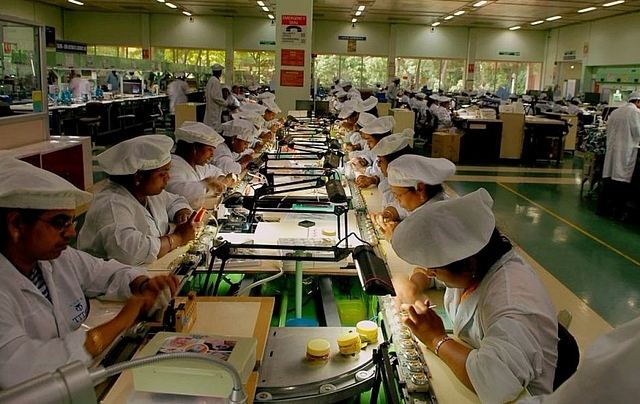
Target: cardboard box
{"x":446,"y":145}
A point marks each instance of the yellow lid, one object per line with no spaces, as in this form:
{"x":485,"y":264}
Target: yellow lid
{"x":348,"y":338}
{"x":328,"y":232}
{"x":368,"y":330}
{"x":318,"y":347}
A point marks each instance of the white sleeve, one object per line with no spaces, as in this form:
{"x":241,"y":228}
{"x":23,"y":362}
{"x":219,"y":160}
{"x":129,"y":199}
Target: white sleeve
{"x":174,"y":204}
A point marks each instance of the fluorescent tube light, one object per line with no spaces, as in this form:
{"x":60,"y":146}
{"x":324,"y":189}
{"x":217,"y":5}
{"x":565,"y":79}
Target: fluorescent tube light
{"x":517,"y":27}
{"x":271,"y":17}
{"x":586,"y":10}
{"x":435,"y":24}
{"x":613,"y":3}
{"x":171,"y":5}
{"x":261,"y":3}
{"x":76,"y":2}
{"x":480,"y":3}
{"x":358,"y":13}
{"x":265,"y":8}
{"x":361,"y":8}
{"x":354,"y":20}
{"x":555,"y":17}
{"x":160,"y":1}
{"x":537,"y":22}
{"x":460,"y":12}
{"x":188,"y":14}
{"x":447,"y":18}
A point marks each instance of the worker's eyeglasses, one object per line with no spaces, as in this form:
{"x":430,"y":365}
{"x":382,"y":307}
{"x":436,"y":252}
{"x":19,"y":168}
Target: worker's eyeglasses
{"x":60,"y":223}
{"x":399,"y":196}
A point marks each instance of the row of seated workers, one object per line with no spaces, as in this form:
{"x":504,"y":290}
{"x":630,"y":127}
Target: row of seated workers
{"x":507,"y":335}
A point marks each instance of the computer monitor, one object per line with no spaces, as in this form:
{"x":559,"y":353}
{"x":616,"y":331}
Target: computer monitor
{"x":607,"y":111}
{"x":322,"y":107}
{"x":132,"y":87}
{"x":591,"y":98}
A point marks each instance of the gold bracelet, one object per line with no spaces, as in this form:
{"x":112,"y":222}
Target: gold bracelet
{"x":96,"y":339}
{"x":439,"y":344}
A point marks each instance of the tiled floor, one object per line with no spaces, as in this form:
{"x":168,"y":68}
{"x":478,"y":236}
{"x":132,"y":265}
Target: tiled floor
{"x":590,"y":264}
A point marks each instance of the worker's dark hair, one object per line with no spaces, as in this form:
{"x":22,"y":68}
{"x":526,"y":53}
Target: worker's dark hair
{"x":29,"y":216}
{"x":497,"y":246}
{"x":184,"y":149}
{"x":392,"y":156}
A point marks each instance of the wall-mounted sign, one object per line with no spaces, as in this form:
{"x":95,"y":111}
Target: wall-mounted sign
{"x":585,"y":48}
{"x":508,"y":53}
{"x":292,"y":57}
{"x":294,"y":29}
{"x":471,"y":68}
{"x":292,"y":78}
{"x":351,"y":37}
{"x":145,"y":53}
{"x":569,"y":55}
{"x":50,"y":37}
{"x":71,"y":47}
{"x":263,"y":42}
{"x":352,"y":45}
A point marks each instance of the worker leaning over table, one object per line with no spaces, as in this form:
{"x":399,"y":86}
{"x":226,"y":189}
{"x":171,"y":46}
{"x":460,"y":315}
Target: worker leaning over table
{"x":234,"y":154}
{"x":367,"y":161}
{"x":497,"y":303}
{"x":192,"y":176}
{"x":129,"y":218}
{"x":45,"y":284}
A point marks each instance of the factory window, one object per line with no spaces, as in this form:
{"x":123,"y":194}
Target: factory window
{"x":512,"y":77}
{"x":127,"y":52}
{"x":362,"y":71}
{"x":435,"y":74}
{"x":253,"y":67}
{"x":194,"y":57}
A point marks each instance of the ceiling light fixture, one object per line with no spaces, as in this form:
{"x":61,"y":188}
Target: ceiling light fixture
{"x":271,"y":17}
{"x":170,"y":5}
{"x":261,"y":3}
{"x":613,"y":3}
{"x":358,"y":13}
{"x":354,"y":20}
{"x":447,"y":18}
{"x":480,"y":3}
{"x":76,"y":2}
{"x":160,"y":1}
{"x":537,"y":22}
{"x":517,"y":27}
{"x":555,"y":17}
{"x":361,"y":8}
{"x":435,"y":24}
{"x":188,"y":14}
{"x":586,"y":10}
{"x":265,"y":8}
{"x":460,"y":12}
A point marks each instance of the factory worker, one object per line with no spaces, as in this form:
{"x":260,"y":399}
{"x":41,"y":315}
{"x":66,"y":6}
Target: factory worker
{"x":608,"y":371}
{"x":444,"y":114}
{"x":417,"y":101}
{"x":349,"y":115}
{"x":414,"y":181}
{"x":45,"y":283}
{"x":191,"y":174}
{"x":393,"y":89}
{"x":113,"y":81}
{"x":214,"y":99}
{"x":234,"y":154}
{"x":177,"y":91}
{"x":129,"y":218}
{"x":79,"y":86}
{"x":264,"y":136}
{"x":271,"y":112}
{"x":406,"y":97}
{"x":433,"y":102}
{"x":351,"y":90}
{"x":574,"y":107}
{"x":238,"y":92}
{"x":389,"y":149}
{"x":498,"y":306}
{"x":340,"y":97}
{"x":355,"y":141}
{"x":369,"y":105}
{"x":623,"y":137}
{"x":372,"y":133}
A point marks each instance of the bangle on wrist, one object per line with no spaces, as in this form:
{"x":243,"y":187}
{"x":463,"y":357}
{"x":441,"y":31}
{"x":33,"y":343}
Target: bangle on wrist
{"x":439,"y":344}
{"x":170,"y":242}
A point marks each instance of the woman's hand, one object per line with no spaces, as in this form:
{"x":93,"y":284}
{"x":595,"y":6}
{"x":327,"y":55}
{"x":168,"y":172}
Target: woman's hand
{"x":365,"y":181}
{"x":387,"y":229}
{"x":407,"y":292}
{"x":215,"y":185}
{"x":425,"y":323}
{"x":182,"y":215}
{"x":157,"y":284}
{"x":187,"y":230}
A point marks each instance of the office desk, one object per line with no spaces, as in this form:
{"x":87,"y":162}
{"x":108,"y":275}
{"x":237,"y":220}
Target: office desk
{"x":233,"y":316}
{"x":481,"y":141}
{"x":543,"y":139}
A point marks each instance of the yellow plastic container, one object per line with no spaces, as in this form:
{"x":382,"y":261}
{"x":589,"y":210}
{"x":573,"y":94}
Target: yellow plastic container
{"x":351,"y":311}
{"x":318,"y":350}
{"x":368,"y":331}
{"x":349,"y":343}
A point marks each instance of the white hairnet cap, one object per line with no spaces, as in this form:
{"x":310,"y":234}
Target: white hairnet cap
{"x":410,"y":170}
{"x":140,"y":153}
{"x":179,"y":74}
{"x":380,"y":125}
{"x":365,"y":118}
{"x":421,"y":96}
{"x":634,"y":96}
{"x":434,"y":97}
{"x":271,"y":105}
{"x":396,"y":78}
{"x":253,"y":107}
{"x":391,"y":144}
{"x":198,"y":132}
{"x":348,"y":108}
{"x":444,"y":99}
{"x":341,"y":94}
{"x":240,"y":128}
{"x":25,"y":186}
{"x":217,"y":67}
{"x":266,"y":96}
{"x":367,"y":104}
{"x":346,"y":84}
{"x":256,"y":119}
{"x":447,"y":231}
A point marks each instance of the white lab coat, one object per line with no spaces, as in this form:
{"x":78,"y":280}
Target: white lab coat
{"x":117,"y":226}
{"x":608,"y":371}
{"x":215,"y":104}
{"x":444,"y":118}
{"x":188,"y":181}
{"x":79,"y":86}
{"x":392,"y":93}
{"x":623,"y":134}
{"x":177,"y":91}
{"x":434,"y":108}
{"x":39,"y":336}
{"x":225,"y":159}
{"x":511,"y":324}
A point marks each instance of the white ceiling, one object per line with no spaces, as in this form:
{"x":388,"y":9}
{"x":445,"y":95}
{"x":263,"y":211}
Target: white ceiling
{"x":495,"y":14}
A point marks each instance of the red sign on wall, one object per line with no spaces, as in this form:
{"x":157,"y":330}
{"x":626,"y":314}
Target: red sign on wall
{"x":292,"y":57}
{"x":289,"y":19}
{"x":471,"y":68}
{"x":145,"y":53}
{"x":292,"y":78}
{"x":7,"y":47}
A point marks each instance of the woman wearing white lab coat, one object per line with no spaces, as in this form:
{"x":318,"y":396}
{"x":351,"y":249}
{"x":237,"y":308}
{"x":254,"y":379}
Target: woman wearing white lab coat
{"x":45,"y":284}
{"x":214,"y":99}
{"x":191,"y":174}
{"x":499,"y":308}
{"x":234,"y":154}
{"x":608,"y":371}
{"x":372,"y":133}
{"x":129,"y":218}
